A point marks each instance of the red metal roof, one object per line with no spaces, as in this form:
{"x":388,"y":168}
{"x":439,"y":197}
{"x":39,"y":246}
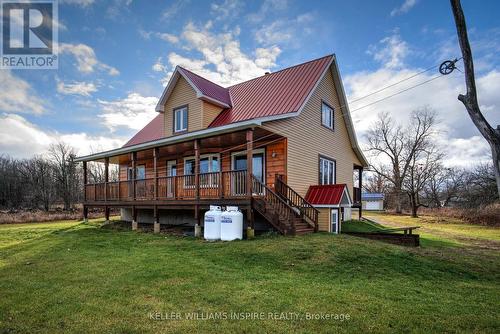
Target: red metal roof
{"x":153,"y":131}
{"x":272,"y":94}
{"x":326,"y":194}
{"x":208,"y":88}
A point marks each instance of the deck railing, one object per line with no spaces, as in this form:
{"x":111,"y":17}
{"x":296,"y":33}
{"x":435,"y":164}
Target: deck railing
{"x":226,"y":184}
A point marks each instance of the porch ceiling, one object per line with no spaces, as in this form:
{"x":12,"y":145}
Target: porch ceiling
{"x":234,"y":141}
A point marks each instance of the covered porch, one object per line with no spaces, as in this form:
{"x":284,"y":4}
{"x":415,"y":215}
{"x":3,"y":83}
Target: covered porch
{"x":225,"y":169}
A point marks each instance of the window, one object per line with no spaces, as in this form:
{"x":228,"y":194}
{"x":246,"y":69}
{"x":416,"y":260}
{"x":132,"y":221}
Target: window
{"x":326,"y":115}
{"x":326,"y":171}
{"x":208,"y":164}
{"x":140,"y":172}
{"x":180,"y":119}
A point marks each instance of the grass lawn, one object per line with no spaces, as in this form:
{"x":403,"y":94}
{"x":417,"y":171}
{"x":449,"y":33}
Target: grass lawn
{"x":443,"y":229}
{"x":73,"y":277}
{"x":361,"y":226}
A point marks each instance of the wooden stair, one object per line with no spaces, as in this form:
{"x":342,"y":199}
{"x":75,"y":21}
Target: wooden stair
{"x":285,"y":218}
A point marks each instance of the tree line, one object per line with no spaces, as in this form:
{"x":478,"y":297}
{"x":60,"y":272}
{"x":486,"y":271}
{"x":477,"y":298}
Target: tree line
{"x":407,"y":166}
{"x":45,"y":181}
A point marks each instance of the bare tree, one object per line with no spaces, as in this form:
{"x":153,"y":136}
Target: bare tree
{"x":426,"y":163}
{"x":375,"y":183}
{"x":470,"y":98}
{"x":444,"y":186}
{"x":479,"y":186}
{"x":398,"y":145}
{"x":39,"y":173}
{"x":65,"y":172}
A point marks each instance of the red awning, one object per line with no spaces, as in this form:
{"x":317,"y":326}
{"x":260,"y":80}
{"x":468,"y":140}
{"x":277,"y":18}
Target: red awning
{"x":326,"y":194}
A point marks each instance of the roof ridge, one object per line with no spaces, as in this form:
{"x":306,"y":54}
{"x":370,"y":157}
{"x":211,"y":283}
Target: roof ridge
{"x":283,"y":69}
{"x":185,"y":69}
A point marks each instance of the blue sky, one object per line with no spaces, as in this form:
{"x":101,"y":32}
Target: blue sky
{"x":116,"y":56}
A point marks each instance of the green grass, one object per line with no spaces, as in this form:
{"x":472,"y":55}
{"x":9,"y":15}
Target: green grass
{"x":443,"y":229}
{"x":67,"y":277}
{"x":361,"y":226}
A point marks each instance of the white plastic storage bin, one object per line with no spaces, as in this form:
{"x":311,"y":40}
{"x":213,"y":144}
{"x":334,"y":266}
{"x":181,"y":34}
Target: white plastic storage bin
{"x":231,"y":224}
{"x":212,"y":223}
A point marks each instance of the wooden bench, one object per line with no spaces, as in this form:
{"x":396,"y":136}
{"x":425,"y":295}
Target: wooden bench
{"x":406,"y":230}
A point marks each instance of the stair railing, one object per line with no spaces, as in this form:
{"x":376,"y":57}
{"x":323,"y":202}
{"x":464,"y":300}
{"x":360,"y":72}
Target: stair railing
{"x":284,"y":211}
{"x":308,"y":213}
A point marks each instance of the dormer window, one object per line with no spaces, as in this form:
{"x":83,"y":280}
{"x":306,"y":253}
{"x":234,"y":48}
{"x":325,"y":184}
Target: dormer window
{"x":181,"y":119}
{"x":327,"y":115}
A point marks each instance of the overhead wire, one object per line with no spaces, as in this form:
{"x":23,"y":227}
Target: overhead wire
{"x":293,"y":126}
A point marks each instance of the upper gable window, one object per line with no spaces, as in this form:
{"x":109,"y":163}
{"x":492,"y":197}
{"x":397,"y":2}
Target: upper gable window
{"x":327,"y":115}
{"x":181,"y":119}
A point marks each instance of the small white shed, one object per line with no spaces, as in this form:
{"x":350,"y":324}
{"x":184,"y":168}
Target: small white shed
{"x":372,"y":201}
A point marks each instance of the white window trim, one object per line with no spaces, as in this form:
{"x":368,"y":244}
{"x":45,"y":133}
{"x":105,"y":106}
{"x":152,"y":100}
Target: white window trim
{"x":330,"y":126}
{"x":338,"y":220}
{"x":329,"y":160}
{"x":180,"y":111}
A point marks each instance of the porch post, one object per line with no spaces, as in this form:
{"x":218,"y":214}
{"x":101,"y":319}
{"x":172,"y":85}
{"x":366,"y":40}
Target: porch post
{"x":85,"y":214}
{"x":106,"y":214}
{"x":84,"y":182}
{"x":106,"y":178}
{"x":156,"y":226}
{"x":249,"y":161}
{"x":360,"y":180}
{"x":155,"y":170}
{"x":197,"y":183}
{"x":197,"y":168}
{"x":221,"y":178}
{"x":133,"y":158}
{"x":134,"y":218}
{"x":249,"y":179}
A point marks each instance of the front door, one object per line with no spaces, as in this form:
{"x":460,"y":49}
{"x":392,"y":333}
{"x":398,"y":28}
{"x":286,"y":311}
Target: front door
{"x":171,"y":171}
{"x":240,"y":164}
{"x":334,"y":219}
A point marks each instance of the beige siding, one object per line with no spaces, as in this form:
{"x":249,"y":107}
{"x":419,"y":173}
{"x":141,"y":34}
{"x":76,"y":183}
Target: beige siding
{"x":210,"y":111}
{"x":307,"y":139}
{"x":183,"y":94}
{"x":324,"y":219}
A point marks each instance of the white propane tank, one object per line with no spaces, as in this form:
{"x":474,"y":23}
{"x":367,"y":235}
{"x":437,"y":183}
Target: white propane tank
{"x":231,"y":224}
{"x":212,"y":223}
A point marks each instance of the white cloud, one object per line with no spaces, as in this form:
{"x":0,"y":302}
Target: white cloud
{"x":16,"y":95}
{"x":268,"y":8}
{"x":458,"y":135}
{"x":283,"y":31}
{"x":174,"y":9}
{"x":158,"y":66}
{"x":226,"y":9}
{"x":404,"y":8}
{"x":464,"y":152}
{"x":222,"y":60}
{"x":168,"y":37}
{"x":132,"y":112}
{"x":86,"y":59}
{"x":76,"y":88}
{"x":20,"y":138}
{"x":391,"y":51}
